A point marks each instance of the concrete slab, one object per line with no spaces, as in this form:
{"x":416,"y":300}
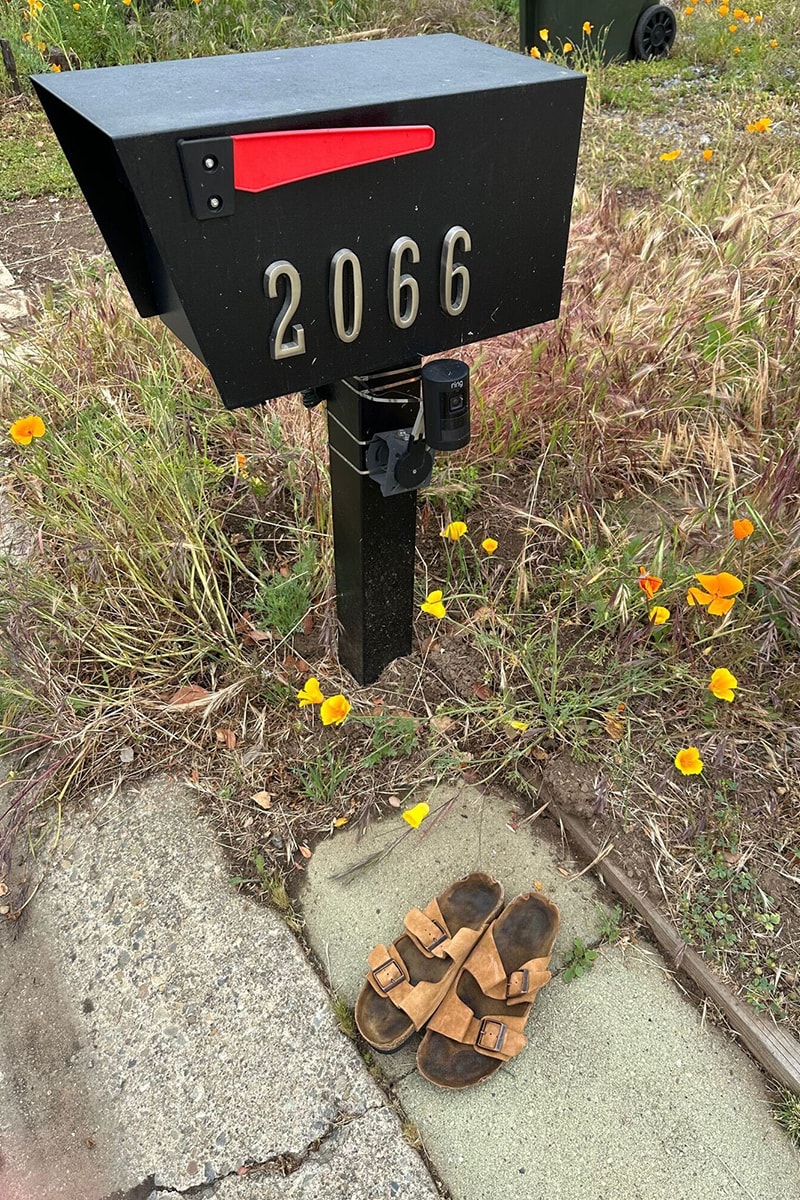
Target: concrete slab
{"x":350,"y":1165}
{"x":159,"y":1028}
{"x":622,"y":1093}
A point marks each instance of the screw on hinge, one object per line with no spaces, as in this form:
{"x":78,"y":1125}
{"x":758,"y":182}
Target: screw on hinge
{"x":210,"y":163}
{"x":215,"y":203}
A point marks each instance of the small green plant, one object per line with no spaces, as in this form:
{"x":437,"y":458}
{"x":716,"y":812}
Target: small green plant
{"x":392,"y":737}
{"x":344,"y":1016}
{"x":323,"y":776}
{"x":273,"y":888}
{"x":580,"y":961}
{"x":610,"y":923}
{"x":788,"y":1113}
{"x":282,"y":601}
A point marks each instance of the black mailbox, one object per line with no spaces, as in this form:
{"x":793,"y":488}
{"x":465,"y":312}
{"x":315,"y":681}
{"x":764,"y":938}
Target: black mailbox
{"x":308,"y":216}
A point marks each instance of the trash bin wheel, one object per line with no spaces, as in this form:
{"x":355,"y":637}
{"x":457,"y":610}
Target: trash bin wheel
{"x":655,"y":32}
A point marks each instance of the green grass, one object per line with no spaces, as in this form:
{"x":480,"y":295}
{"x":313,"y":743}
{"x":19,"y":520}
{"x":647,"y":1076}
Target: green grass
{"x":32,"y":163}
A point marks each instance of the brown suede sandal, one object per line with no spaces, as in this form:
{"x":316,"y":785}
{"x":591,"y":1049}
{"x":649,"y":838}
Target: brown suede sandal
{"x":407,"y":980}
{"x":478,"y":1026}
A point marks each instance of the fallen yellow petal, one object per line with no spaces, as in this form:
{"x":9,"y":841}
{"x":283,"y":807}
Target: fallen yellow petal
{"x":416,"y":815}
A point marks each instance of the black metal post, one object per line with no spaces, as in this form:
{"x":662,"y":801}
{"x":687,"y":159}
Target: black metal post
{"x":373,"y":535}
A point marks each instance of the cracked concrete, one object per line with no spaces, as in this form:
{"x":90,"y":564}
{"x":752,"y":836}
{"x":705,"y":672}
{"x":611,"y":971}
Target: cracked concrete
{"x":158,"y":1026}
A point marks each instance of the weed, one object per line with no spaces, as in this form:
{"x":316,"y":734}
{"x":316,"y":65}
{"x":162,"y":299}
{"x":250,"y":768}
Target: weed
{"x":344,"y":1016}
{"x":283,"y":600}
{"x":411,"y":1134}
{"x":581,"y":960}
{"x":788,"y":1113}
{"x":609,"y":923}
{"x":271,"y":886}
{"x":323,"y":776}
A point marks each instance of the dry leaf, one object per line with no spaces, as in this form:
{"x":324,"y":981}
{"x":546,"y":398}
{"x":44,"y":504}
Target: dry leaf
{"x":395,"y":802}
{"x":304,"y":850}
{"x":3,"y":888}
{"x":484,"y":614}
{"x":284,"y":571}
{"x":428,"y":645}
{"x":482,"y":691}
{"x":731,"y":859}
{"x":614,"y":727}
{"x":254,"y":636}
{"x":340,"y":821}
{"x":539,"y":754}
{"x":308,"y":622}
{"x":563,"y":872}
{"x":126,"y":754}
{"x":192,"y":693}
{"x":227,"y":738}
{"x":262,"y":799}
{"x":292,"y":663}
{"x":442,"y":724}
{"x":244,"y":624}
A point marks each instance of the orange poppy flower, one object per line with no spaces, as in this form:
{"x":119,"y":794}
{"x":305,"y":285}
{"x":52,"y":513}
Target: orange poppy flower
{"x":688,"y":761}
{"x":743,"y":528}
{"x":719,"y":595}
{"x":649,"y":583}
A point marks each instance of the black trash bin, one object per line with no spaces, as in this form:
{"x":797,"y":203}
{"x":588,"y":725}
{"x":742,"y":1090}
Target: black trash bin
{"x":624,"y":29}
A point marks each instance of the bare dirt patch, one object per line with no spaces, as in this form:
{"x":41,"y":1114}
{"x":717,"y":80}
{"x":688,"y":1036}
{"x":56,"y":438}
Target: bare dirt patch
{"x":39,"y":238}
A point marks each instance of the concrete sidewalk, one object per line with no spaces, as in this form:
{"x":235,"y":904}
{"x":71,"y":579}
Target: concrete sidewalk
{"x":164,"y":1036}
{"x":161,"y":1032}
{"x":623,"y":1092}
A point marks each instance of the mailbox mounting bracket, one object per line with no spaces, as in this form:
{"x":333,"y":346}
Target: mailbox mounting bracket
{"x":208,"y":172}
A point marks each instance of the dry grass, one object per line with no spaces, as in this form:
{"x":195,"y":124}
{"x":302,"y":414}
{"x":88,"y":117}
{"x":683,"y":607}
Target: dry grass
{"x":630,"y":432}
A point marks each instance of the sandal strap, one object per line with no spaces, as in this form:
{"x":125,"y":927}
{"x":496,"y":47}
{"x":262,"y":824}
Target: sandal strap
{"x":428,"y":930}
{"x":519,"y":987}
{"x":388,"y":975}
{"x":498,"y":1036}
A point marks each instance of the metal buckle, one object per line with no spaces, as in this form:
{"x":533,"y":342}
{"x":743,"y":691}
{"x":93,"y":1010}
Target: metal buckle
{"x":511,"y":990}
{"x":437,"y":941}
{"x":392,"y":983}
{"x":496,"y":1037}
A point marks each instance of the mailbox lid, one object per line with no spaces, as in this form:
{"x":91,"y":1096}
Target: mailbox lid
{"x":230,"y":92}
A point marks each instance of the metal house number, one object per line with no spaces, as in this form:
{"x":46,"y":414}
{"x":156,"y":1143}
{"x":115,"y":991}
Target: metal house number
{"x":346,"y":292}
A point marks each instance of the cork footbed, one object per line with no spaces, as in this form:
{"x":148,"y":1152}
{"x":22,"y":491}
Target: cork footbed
{"x":473,"y":902}
{"x":527,"y":929}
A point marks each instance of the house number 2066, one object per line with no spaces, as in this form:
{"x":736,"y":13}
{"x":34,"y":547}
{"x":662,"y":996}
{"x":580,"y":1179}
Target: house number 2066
{"x":346,"y":291}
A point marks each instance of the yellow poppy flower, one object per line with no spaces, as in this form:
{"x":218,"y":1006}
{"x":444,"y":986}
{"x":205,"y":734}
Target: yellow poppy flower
{"x":670,"y":155}
{"x":454,"y":531}
{"x":489,"y":545}
{"x":587,"y":26}
{"x":708,"y":155}
{"x":659,"y":615}
{"x":544,"y":34}
{"x":433,"y":605}
{"x":310,"y":693}
{"x":334,"y":710}
{"x":567,"y":47}
{"x":416,"y":815}
{"x":688,"y":761}
{"x":535,"y":53}
{"x":723,"y":684}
